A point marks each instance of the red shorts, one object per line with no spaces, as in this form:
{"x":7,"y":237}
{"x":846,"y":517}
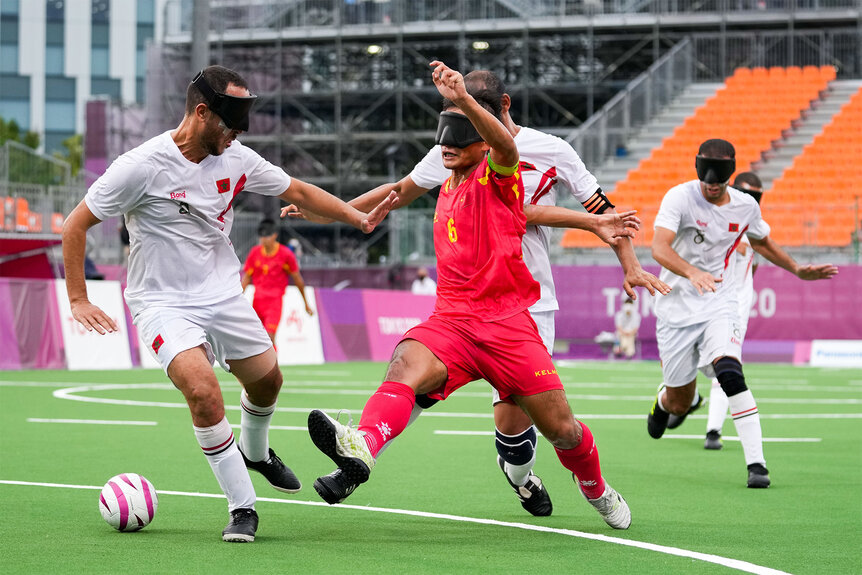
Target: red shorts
{"x":509,"y":354}
{"x":268,"y":309}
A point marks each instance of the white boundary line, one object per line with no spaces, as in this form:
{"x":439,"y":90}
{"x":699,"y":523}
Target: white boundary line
{"x":90,"y":421}
{"x":737,"y":564}
{"x":668,"y":436}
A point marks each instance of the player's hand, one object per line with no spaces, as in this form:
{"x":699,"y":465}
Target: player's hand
{"x":308,"y":310}
{"x":640,"y":277}
{"x":703,"y":281}
{"x":295,"y":212}
{"x":819,"y":272}
{"x":93,"y":318}
{"x":376,"y":215}
{"x":449,"y":83}
{"x":613,"y":226}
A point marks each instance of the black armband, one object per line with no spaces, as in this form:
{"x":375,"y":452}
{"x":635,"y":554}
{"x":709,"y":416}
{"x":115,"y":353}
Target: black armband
{"x":598,"y":203}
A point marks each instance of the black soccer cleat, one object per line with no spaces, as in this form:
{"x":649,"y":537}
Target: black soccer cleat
{"x":657,"y":420}
{"x":275,"y":471}
{"x":533,"y":495}
{"x":758,"y":476}
{"x":713,"y":440}
{"x":674,"y":421}
{"x":343,"y":444}
{"x":242,"y":526}
{"x":335,"y":487}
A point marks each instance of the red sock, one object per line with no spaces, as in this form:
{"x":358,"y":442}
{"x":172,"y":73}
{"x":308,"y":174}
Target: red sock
{"x":583,"y":461}
{"x":386,"y":414}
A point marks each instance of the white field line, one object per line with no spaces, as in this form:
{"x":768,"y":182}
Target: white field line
{"x":737,"y":564}
{"x":90,"y":421}
{"x":727,"y":437}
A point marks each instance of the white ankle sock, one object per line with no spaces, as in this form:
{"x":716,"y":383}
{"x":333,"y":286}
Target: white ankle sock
{"x":254,"y":429}
{"x":746,"y":418}
{"x":717,"y":407}
{"x":226,"y":462}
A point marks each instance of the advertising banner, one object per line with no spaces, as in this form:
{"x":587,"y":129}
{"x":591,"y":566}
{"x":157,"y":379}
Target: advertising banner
{"x":836,"y":353}
{"x":89,"y":349}
{"x":388,"y":314}
{"x":297,"y":340}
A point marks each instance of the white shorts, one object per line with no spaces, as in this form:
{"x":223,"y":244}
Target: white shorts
{"x":547,"y":331}
{"x":684,"y":350}
{"x":227,"y":330}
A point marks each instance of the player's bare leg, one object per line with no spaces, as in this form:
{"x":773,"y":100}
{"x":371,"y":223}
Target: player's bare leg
{"x":670,"y":400}
{"x":576,"y":449}
{"x":261,"y":380}
{"x":516,"y":455}
{"x":192,"y":373}
{"x":413,"y":369}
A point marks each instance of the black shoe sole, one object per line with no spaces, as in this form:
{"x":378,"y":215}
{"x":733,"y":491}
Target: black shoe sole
{"x":327,"y":493}
{"x":322,"y":433}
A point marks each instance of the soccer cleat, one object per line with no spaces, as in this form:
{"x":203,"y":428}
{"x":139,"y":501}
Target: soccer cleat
{"x":533,"y":495}
{"x":343,"y":445}
{"x":611,"y":506}
{"x":275,"y":471}
{"x":674,"y":421}
{"x":335,"y":487}
{"x":242,"y":526}
{"x":758,"y":476}
{"x":657,"y":418}
{"x":713,"y":440}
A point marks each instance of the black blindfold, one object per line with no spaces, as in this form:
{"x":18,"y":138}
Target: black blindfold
{"x":456,"y":130}
{"x":233,"y":110}
{"x":714,"y":170}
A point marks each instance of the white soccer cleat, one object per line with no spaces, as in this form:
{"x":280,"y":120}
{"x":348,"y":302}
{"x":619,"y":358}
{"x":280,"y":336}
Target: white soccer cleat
{"x":612,"y":507}
{"x":343,"y":444}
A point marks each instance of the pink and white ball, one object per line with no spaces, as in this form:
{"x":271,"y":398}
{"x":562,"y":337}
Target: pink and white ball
{"x":128,"y":502}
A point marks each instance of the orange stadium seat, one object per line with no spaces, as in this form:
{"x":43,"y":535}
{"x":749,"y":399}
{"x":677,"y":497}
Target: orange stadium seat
{"x":22,"y":215}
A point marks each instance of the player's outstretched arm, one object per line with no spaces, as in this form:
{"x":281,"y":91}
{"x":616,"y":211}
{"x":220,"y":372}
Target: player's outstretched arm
{"x":607,"y":226}
{"x":666,"y":256}
{"x":776,"y":254}
{"x":450,"y":84}
{"x":310,"y":197}
{"x":635,"y":275}
{"x":406,"y":189}
{"x":74,"y":248}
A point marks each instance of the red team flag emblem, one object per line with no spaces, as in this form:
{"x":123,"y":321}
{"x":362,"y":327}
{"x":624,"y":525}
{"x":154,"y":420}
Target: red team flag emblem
{"x":223,"y":185}
{"x":733,"y":227}
{"x":157,"y":343}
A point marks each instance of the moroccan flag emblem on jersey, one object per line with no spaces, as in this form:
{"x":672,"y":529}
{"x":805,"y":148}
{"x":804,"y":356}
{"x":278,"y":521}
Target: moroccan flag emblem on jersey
{"x":223,"y":185}
{"x":733,"y":227}
{"x":157,"y":343}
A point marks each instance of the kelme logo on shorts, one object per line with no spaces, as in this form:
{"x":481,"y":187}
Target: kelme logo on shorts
{"x":157,"y":343}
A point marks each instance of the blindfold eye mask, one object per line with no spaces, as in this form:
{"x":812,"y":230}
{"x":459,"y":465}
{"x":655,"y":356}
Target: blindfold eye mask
{"x":714,"y":170}
{"x":233,"y":110}
{"x":456,"y":130}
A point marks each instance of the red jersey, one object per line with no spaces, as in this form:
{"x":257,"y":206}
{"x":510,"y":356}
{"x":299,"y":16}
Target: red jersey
{"x":269,"y":274}
{"x":477,"y":239}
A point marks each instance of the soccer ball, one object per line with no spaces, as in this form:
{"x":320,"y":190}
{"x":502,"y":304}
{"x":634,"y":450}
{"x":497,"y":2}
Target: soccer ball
{"x":128,"y":502}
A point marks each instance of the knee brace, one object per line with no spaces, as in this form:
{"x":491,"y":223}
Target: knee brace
{"x":517,"y":449}
{"x":424,"y":401}
{"x":728,"y":371}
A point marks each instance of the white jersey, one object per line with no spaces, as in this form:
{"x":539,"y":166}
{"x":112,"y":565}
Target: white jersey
{"x":745,"y":278}
{"x":548,"y":165}
{"x":706,"y":237}
{"x":179,"y":217}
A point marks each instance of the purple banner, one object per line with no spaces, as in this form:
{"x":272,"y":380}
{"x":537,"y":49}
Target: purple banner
{"x":9,"y":358}
{"x":389,"y":314}
{"x":342,"y":325}
{"x":33,"y":317}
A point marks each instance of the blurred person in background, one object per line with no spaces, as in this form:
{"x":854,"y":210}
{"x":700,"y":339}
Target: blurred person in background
{"x":627,"y":322}
{"x":423,"y":285}
{"x":269,"y":267}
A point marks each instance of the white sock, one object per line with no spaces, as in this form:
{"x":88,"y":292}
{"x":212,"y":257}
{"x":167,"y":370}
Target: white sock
{"x":226,"y":461}
{"x":518,"y":474}
{"x":717,"y":407}
{"x":746,"y":418}
{"x":254,"y":429}
{"x":661,"y":395}
{"x":417,"y":411}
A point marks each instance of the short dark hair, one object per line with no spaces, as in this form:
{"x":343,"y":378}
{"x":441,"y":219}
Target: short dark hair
{"x":267,"y":227}
{"x":487,"y":88}
{"x":218,"y":77}
{"x":717,"y":148}
{"x":749,"y":178}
